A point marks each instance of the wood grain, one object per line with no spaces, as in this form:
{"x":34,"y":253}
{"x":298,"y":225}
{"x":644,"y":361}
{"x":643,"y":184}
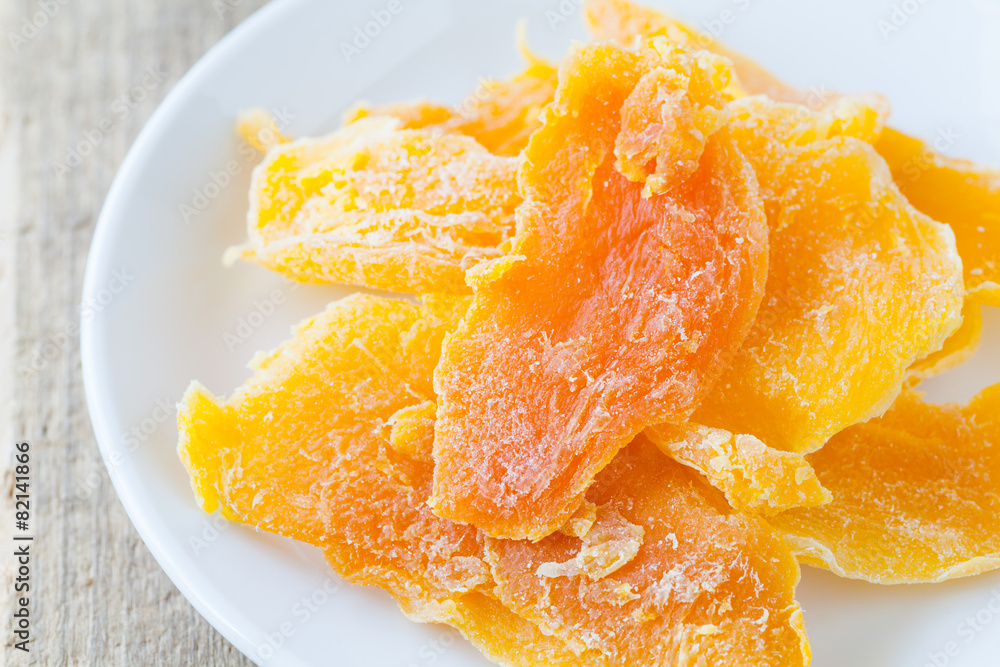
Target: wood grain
{"x":100,"y":597}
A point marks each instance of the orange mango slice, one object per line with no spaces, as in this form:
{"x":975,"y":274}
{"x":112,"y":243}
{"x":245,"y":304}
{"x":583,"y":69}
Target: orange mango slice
{"x":915,"y":495}
{"x":620,"y":300}
{"x":382,"y":207}
{"x":861,"y":284}
{"x":689,"y":583}
{"x":754,"y":477}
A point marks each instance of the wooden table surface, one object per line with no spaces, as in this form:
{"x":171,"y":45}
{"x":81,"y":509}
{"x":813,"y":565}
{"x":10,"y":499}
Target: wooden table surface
{"x":65,"y":65}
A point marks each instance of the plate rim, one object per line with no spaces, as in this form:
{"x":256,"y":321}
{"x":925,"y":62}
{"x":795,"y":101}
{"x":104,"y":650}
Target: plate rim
{"x":95,"y":383}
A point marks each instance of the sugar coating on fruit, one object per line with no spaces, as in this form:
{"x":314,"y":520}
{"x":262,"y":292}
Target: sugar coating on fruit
{"x":615,"y":308}
{"x":753,"y":476}
{"x":375,"y":205}
{"x":860,"y":285}
{"x":914,"y":495}
{"x":706,"y":586}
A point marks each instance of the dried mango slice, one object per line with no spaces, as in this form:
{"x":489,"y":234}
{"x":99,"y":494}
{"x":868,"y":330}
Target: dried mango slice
{"x":302,"y":449}
{"x":916,"y":495}
{"x":704,"y":587}
{"x":374,"y":205}
{"x":613,"y":310}
{"x":753,"y":476}
{"x":959,"y":193}
{"x":626,"y":22}
{"x":861,"y":284}
{"x":500,"y":115}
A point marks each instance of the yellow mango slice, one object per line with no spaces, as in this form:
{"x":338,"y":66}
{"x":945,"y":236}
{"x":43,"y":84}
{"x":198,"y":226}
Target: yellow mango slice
{"x":753,"y":476}
{"x":625,"y":22}
{"x":302,"y":449}
{"x":374,"y":205}
{"x":620,"y":300}
{"x":960,"y":193}
{"x":500,"y":115}
{"x":860,"y":286}
{"x":701,"y":585}
{"x":916,"y":495}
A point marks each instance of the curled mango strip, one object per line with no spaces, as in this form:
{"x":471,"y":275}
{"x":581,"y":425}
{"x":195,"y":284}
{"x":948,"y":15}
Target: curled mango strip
{"x":620,"y":300}
{"x":753,"y":476}
{"x":702,"y":586}
{"x":374,"y":205}
{"x":861,"y":285}
{"x":890,"y":479}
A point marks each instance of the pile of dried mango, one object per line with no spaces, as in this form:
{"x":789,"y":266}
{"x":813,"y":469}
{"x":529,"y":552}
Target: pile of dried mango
{"x":670,"y":319}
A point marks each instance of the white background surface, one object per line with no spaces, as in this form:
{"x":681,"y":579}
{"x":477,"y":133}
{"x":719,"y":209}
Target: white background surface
{"x":272,"y":597}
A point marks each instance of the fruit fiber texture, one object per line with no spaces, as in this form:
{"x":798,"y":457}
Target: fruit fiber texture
{"x":916,"y":495}
{"x":500,"y":115}
{"x":861,"y":284}
{"x":754,"y":477}
{"x":621,"y":299}
{"x":330,"y":442}
{"x":694,"y":584}
{"x":382,"y":207}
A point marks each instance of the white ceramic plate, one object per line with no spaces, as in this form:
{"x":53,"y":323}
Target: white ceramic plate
{"x":164,"y":320}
